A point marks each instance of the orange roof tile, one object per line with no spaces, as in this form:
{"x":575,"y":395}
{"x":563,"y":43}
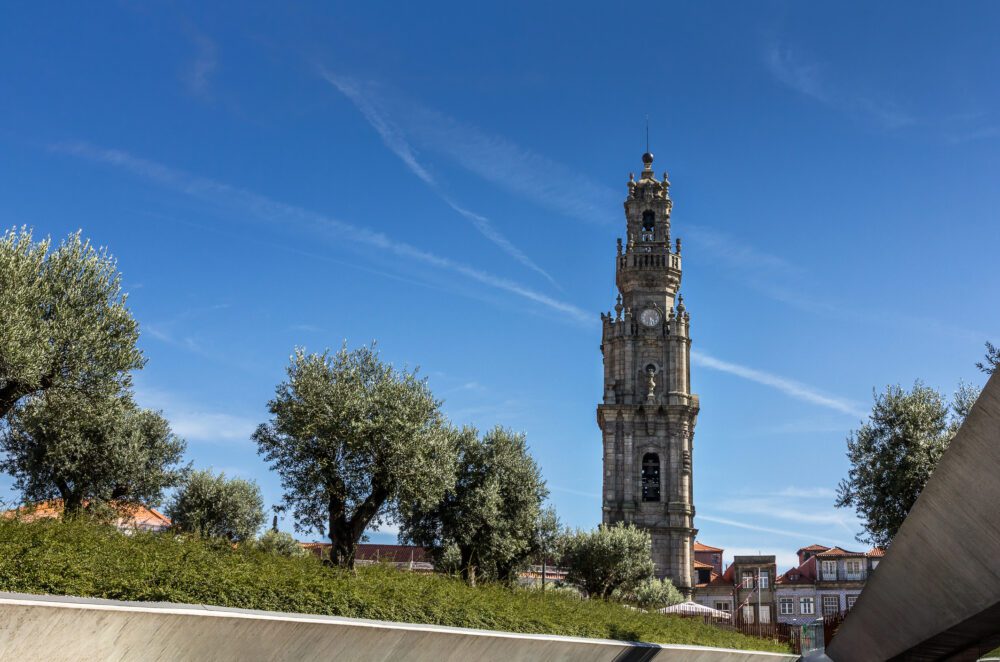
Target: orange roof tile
{"x":698,"y":547}
{"x":839,"y":551}
{"x":804,"y":574}
{"x":699,"y":564}
{"x":876,"y":551}
{"x":814,"y":548}
{"x":133,"y":515}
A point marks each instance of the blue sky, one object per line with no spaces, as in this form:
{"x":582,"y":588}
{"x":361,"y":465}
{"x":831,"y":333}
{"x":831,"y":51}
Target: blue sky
{"x":448,"y":180}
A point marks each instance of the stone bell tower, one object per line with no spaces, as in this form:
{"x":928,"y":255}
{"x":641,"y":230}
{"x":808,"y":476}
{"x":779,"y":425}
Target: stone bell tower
{"x":648,"y":414}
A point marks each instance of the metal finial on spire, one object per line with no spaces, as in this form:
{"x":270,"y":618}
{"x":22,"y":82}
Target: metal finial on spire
{"x":647,"y":158}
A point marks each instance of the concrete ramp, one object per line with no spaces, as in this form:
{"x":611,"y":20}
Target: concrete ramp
{"x":54,"y":628}
{"x":936,"y":594}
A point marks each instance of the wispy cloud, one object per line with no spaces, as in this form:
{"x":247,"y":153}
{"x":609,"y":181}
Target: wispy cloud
{"x":195,"y":422}
{"x":543,"y":181}
{"x":272,"y":211}
{"x":754,"y":527}
{"x":569,"y":490}
{"x":403,"y":122}
{"x":784,"y":508}
{"x":736,"y":253}
{"x":198,"y":75}
{"x":787,"y":386}
{"x":810,"y":79}
{"x":806,"y":492}
{"x":395,"y":140}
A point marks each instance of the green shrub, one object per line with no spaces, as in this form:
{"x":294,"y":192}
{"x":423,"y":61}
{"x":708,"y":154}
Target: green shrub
{"x":650,"y":594}
{"x":80,"y":558}
{"x":280,"y":543}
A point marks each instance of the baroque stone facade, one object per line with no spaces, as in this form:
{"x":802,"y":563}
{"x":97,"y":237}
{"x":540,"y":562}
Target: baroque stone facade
{"x":648,"y":413}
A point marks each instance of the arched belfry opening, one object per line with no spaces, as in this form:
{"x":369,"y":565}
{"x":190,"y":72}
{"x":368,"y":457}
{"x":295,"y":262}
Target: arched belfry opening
{"x":648,"y":224}
{"x":650,"y":477}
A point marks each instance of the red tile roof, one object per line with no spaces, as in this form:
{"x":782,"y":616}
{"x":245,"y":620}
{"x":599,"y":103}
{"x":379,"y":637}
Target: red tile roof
{"x":699,"y":564}
{"x":876,"y":552}
{"x":804,"y":574}
{"x":130,"y":516}
{"x":814,"y":548}
{"x":373,"y":552}
{"x":839,"y":551}
{"x":698,"y":547}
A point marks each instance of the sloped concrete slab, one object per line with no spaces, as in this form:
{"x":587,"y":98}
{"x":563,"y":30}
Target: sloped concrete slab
{"x":58,"y":628}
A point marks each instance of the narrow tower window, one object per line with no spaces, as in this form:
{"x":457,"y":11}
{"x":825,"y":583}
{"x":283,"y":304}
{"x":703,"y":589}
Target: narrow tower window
{"x":648,"y":220}
{"x":650,"y":477}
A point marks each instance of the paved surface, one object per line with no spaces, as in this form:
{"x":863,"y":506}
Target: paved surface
{"x":936,"y":594}
{"x":34,"y":627}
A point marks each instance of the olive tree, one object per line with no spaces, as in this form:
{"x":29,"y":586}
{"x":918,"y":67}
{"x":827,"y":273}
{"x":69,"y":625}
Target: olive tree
{"x":354,"y":440}
{"x":64,"y":322}
{"x":894,"y":452}
{"x":609,"y":558}
{"x":489,"y":521}
{"x":217,"y":507}
{"x":90,"y":450}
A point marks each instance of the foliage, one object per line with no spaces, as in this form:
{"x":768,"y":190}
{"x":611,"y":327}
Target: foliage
{"x":650,"y":594}
{"x":217,"y":507}
{"x":991,"y":361}
{"x":280,"y":544}
{"x":354,"y":440}
{"x":90,"y":450}
{"x":64,"y":321}
{"x":548,"y":532}
{"x":608,"y":558}
{"x":894,"y":452}
{"x":74,"y":558}
{"x":490,"y":517}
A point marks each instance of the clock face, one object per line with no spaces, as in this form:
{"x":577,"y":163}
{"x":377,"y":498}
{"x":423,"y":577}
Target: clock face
{"x":650,"y":317}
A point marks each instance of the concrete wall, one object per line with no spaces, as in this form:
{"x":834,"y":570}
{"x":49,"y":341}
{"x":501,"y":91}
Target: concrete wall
{"x":60,"y":628}
{"x":937,"y":591}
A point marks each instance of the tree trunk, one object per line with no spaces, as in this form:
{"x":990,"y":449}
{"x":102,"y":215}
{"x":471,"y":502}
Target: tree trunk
{"x":9,"y":395}
{"x":345,"y":533}
{"x":341,"y":543}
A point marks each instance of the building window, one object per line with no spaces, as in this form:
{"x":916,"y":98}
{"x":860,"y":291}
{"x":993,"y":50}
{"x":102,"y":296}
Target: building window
{"x":807,"y":605}
{"x":748,"y":613}
{"x":851,"y":599}
{"x":831,"y":605}
{"x":854,"y":569}
{"x":787,"y":606}
{"x":763,"y":579}
{"x":650,"y":477}
{"x":747,"y":579}
{"x":829,"y":570}
{"x":722,"y":606}
{"x":765,"y":614}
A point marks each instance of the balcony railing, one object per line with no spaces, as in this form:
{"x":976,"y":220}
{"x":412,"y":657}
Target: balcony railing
{"x":843,"y":576}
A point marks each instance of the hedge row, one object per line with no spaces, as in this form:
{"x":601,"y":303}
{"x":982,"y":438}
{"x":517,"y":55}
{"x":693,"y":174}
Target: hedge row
{"x":84,"y":559}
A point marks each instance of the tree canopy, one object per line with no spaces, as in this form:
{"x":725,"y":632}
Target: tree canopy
{"x":64,"y":322}
{"x":894,"y":452}
{"x":216,"y":507}
{"x":90,"y":450}
{"x":610,"y":558}
{"x":990,"y":362}
{"x":489,"y":521}
{"x":354,"y":441}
